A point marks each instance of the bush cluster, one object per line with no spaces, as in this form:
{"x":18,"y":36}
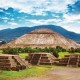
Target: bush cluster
{"x":10,"y":51}
{"x":53,"y":51}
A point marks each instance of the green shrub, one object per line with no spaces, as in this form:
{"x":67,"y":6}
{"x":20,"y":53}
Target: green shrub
{"x":10,"y":51}
{"x":55,"y":53}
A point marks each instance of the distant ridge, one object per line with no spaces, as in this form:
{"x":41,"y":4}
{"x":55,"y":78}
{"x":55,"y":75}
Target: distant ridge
{"x":42,"y":37}
{"x":10,"y":34}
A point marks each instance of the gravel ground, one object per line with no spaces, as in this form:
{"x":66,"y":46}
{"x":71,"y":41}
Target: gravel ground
{"x":59,"y":74}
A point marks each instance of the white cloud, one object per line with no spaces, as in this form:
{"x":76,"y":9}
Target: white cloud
{"x":13,"y":23}
{"x":5,"y":18}
{"x":38,"y":7}
{"x":1,"y":10}
{"x":71,"y":22}
{"x":71,"y":18}
{"x":42,"y":22}
{"x":2,"y":27}
{"x":12,"y":19}
{"x":72,"y":28}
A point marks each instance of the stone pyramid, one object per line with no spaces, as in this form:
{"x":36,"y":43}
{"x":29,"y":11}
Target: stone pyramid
{"x":42,"y":38}
{"x":72,"y":60}
{"x":41,"y":58}
{"x":11,"y":62}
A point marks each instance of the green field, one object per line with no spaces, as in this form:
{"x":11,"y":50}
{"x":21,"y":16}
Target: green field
{"x":23,"y":55}
{"x":61,"y":54}
{"x":0,"y":51}
{"x":33,"y":71}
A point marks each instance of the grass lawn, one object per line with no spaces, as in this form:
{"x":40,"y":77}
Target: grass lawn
{"x":0,"y":51}
{"x":33,"y":71}
{"x":62,"y":54}
{"x":23,"y":55}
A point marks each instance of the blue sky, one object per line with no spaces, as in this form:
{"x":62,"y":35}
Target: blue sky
{"x":18,"y":13}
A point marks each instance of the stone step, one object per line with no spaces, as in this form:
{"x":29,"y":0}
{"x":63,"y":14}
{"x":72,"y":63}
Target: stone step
{"x":11,"y":62}
{"x":4,"y":60}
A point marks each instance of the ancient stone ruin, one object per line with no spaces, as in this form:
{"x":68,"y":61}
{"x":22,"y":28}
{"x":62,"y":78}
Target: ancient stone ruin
{"x":42,"y":38}
{"x":70,"y":60}
{"x":41,"y":58}
{"x":11,"y":62}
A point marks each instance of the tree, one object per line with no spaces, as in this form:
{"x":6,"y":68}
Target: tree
{"x":60,"y":49}
{"x":10,"y":51}
{"x":77,"y":50}
{"x":55,"y":53}
{"x":71,"y":50}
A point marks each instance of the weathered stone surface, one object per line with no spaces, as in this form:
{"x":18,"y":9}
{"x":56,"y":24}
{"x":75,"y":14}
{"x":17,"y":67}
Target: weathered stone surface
{"x":41,"y":58}
{"x":70,"y":60}
{"x":42,"y":38}
{"x":11,"y":62}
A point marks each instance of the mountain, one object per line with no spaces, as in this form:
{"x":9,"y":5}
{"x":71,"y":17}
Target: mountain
{"x":41,"y":38}
{"x":10,"y":34}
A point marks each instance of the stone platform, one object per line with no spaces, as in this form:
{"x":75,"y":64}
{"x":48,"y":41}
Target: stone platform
{"x":11,"y":62}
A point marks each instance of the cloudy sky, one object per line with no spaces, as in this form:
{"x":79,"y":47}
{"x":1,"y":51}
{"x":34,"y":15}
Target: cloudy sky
{"x":18,"y":13}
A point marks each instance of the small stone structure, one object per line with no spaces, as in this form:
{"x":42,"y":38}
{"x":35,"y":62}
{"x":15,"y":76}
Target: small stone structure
{"x":11,"y":62}
{"x":41,"y":58}
{"x":72,"y":60}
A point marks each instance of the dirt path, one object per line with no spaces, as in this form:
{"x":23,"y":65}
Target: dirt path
{"x":59,"y":74}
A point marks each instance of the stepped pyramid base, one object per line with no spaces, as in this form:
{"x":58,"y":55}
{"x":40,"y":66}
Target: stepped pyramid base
{"x":41,"y":58}
{"x":72,"y":60}
{"x":11,"y":62}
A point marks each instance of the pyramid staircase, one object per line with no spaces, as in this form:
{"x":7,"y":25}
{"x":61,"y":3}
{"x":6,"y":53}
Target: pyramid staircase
{"x":11,"y":62}
{"x":41,"y":59}
{"x":70,"y":60}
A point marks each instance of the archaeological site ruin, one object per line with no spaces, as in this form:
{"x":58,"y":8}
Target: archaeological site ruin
{"x":72,"y":60}
{"x":12,"y":62}
{"x":41,"y":58}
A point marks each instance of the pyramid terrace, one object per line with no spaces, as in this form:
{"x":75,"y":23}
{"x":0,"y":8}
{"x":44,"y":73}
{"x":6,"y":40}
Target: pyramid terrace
{"x":11,"y":62}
